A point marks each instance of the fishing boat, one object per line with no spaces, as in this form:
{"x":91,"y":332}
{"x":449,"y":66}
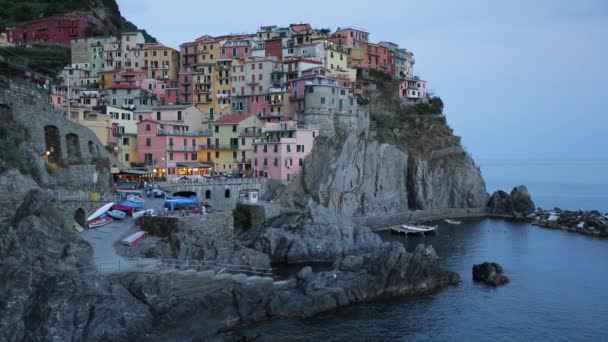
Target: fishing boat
{"x":123,"y":208}
{"x":132,"y":204}
{"x":414,"y":229}
{"x":100,"y":221}
{"x":134,"y":238}
{"x":139,"y":213}
{"x":117,"y":214}
{"x":452,"y":221}
{"x":100,"y":211}
{"x":177,"y":202}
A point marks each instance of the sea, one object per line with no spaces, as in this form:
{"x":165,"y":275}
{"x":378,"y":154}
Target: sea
{"x":559,"y":280}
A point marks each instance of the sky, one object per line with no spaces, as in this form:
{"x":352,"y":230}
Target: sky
{"x":519,"y":78}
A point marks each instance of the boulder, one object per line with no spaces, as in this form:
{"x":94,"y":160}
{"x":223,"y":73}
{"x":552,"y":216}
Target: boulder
{"x":489,"y":273}
{"x":521,"y":201}
{"x":13,"y":181}
{"x":500,"y":203}
{"x":518,"y":204}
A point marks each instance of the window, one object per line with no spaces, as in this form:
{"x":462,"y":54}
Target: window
{"x":165,"y":53}
{"x":288,"y":148}
{"x":217,"y":154}
{"x":158,"y":116}
{"x":276,"y":148}
{"x":217,"y":129}
{"x":265,"y":148}
{"x":255,"y":148}
{"x":255,"y":162}
{"x":234,"y":155}
{"x":276,"y":162}
{"x":265,"y":161}
{"x":147,"y":127}
{"x":341,"y":103}
{"x":207,"y":194}
{"x":227,"y":193}
{"x":170,"y":155}
{"x":300,"y":162}
{"x":148,"y":142}
{"x":126,"y":157}
{"x":179,"y":115}
{"x":311,"y":90}
{"x":234,"y":128}
{"x":125,"y":141}
{"x":194,"y":156}
{"x":185,"y":156}
{"x":322,"y":100}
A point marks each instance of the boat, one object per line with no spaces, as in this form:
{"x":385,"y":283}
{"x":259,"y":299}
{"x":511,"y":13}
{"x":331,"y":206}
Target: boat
{"x":123,"y":208}
{"x":452,"y":221}
{"x":100,"y":221}
{"x":135,"y":198}
{"x":139,"y":213}
{"x":132,"y":204}
{"x":117,"y":214}
{"x":100,"y":211}
{"x":134,"y":238}
{"x":177,"y":202}
{"x":412,"y":229}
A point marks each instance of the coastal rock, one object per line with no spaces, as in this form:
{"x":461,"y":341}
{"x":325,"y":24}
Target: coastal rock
{"x":518,"y":204}
{"x":320,"y":235}
{"x":489,"y":273}
{"x":13,"y":181}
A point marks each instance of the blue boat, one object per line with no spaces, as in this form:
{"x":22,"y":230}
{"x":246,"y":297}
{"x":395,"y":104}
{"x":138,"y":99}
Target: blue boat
{"x":132,"y":204}
{"x":177,"y":202}
{"x":117,"y":214}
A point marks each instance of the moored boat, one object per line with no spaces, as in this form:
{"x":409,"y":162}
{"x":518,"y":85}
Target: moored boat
{"x":135,"y":198}
{"x":452,"y":221}
{"x":414,"y":229}
{"x":131,"y":204}
{"x":177,"y":202}
{"x":139,"y":213}
{"x":104,"y":209}
{"x":123,"y":208}
{"x":117,"y":214}
{"x":134,"y":238}
{"x":100,"y":221}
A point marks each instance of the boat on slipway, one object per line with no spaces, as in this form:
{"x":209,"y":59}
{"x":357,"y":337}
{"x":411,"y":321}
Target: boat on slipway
{"x":100,"y":221}
{"x":117,"y":214}
{"x":452,"y":221}
{"x":139,"y":213}
{"x":409,"y":229}
{"x":104,"y":209}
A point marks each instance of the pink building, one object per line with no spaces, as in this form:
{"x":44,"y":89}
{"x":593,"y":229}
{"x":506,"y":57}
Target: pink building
{"x":350,"y":37}
{"x":280,"y":155}
{"x":412,"y":91}
{"x":170,"y":149}
{"x":56,"y":29}
{"x":318,"y":75}
{"x":236,"y":48}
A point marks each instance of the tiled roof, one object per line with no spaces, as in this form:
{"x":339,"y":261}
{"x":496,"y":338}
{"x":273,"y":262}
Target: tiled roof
{"x":231,"y":119}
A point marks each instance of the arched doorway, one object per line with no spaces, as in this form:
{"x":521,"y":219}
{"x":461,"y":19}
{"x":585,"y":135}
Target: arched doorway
{"x":73,"y":144}
{"x":80,"y":217}
{"x":227,"y":193}
{"x":91,"y":149}
{"x":207,"y":194}
{"x":52,"y":140}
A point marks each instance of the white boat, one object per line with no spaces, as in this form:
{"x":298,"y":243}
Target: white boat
{"x":452,"y":221}
{"x":135,"y":198}
{"x":411,"y":229}
{"x":140,"y":213}
{"x":134,"y":238}
{"x":100,"y":211}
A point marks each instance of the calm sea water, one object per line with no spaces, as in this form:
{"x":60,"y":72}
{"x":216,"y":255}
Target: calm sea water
{"x":559,"y":280}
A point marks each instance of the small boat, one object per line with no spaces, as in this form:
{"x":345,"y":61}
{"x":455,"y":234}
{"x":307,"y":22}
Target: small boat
{"x":132,"y":204}
{"x":452,"y":221}
{"x":139,"y":213}
{"x":117,"y":214}
{"x":134,"y":238}
{"x":125,"y":209}
{"x":411,"y":229}
{"x":101,"y":221}
{"x":135,"y":198}
{"x":100,"y":211}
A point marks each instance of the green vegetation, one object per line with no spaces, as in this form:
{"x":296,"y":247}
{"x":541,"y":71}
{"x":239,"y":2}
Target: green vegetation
{"x":16,"y":13}
{"x":435,"y":106}
{"x":46,"y":60}
{"x":241,"y":219}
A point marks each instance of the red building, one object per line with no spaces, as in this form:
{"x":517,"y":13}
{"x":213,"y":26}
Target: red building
{"x":57,"y":29}
{"x":274,"y":47}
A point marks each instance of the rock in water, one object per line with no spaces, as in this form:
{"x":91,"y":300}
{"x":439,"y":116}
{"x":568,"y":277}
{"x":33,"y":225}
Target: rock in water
{"x":489,"y":273}
{"x":521,"y":201}
{"x":500,"y":204}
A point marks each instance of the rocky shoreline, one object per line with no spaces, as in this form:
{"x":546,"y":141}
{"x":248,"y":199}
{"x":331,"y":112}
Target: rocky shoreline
{"x":590,"y":222}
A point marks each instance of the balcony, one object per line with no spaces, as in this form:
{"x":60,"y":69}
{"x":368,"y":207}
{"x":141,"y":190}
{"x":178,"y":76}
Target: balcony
{"x":205,"y":100}
{"x":165,"y":67}
{"x":250,"y":134}
{"x":153,"y":66}
{"x":253,"y":82}
{"x":203,"y":81}
{"x":202,"y":90}
{"x":222,"y":96}
{"x":242,"y":160}
{"x":164,"y":132}
{"x":231,"y":147}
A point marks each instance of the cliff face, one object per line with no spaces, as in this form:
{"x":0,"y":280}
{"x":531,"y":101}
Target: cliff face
{"x":400,"y":163}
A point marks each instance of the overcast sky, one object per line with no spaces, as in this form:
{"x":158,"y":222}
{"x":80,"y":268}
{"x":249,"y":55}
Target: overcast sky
{"x":520,"y":78}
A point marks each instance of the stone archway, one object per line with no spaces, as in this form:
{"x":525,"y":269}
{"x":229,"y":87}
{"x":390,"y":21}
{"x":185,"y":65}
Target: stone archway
{"x":52,"y":140}
{"x":80,"y":217}
{"x":91,"y":149}
{"x":72,"y":142}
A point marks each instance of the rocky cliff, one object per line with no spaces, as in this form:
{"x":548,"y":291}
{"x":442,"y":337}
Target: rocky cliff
{"x":400,"y":163}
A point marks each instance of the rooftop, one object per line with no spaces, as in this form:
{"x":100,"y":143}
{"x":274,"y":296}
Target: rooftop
{"x":172,"y":107}
{"x":231,"y":119}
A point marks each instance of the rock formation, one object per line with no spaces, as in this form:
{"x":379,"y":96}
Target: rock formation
{"x":518,"y":204}
{"x":489,"y":273}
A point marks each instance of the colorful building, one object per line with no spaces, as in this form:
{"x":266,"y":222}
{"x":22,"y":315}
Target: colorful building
{"x":412,"y":91}
{"x":56,"y":29}
{"x":170,"y":149}
{"x":161,"y":62}
{"x":281,"y":152}
{"x":232,"y":140}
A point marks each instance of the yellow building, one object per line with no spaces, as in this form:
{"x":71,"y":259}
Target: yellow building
{"x":335,"y":57}
{"x":232,"y":142}
{"x":105,"y":79}
{"x":161,"y":62}
{"x":99,"y":123}
{"x":127,"y":146}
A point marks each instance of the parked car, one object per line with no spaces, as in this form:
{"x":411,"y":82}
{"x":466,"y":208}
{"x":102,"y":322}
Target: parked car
{"x":127,"y":185}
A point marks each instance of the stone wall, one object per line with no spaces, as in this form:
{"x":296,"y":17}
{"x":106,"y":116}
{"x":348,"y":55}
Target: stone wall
{"x":220,"y":195}
{"x":216,"y":225}
{"x":333,"y":121}
{"x":260,"y":212}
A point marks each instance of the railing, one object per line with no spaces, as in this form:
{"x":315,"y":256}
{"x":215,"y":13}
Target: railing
{"x":83,"y":196}
{"x":242,"y":160}
{"x":184,"y":134}
{"x":184,"y":148}
{"x":225,"y":147}
{"x":222,"y":96}
{"x":212,"y":181}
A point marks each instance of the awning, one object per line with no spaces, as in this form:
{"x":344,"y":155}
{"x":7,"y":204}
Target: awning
{"x":136,"y":172}
{"x":194,"y":165}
